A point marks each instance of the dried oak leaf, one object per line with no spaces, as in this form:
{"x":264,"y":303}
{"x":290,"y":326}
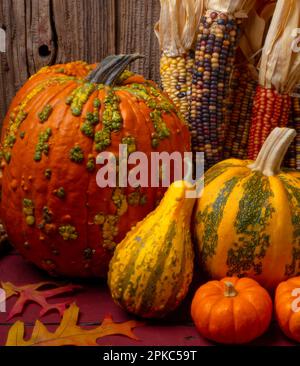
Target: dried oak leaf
{"x":68,"y":332}
{"x":32,"y":293}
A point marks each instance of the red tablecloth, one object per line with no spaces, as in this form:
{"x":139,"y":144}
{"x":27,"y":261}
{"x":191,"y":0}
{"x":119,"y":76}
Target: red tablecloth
{"x":95,"y":302}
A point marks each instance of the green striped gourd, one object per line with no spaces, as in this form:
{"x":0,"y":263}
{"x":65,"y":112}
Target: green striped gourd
{"x":152,"y":267}
{"x":247,"y":222}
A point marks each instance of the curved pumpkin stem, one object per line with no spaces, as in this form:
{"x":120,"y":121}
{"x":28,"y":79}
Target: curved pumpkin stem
{"x":111,"y":68}
{"x":230,"y":290}
{"x":272,"y":153}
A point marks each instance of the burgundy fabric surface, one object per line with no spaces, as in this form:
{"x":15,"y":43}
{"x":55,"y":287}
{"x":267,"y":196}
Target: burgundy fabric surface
{"x":95,"y":302}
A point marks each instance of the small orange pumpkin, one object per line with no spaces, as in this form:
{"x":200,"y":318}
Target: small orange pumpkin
{"x":287,"y":307}
{"x":233,"y":310}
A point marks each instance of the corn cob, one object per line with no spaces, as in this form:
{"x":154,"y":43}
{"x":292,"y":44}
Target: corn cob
{"x":296,"y":118}
{"x":279,"y":74}
{"x":231,"y":125}
{"x":247,"y":107}
{"x":243,"y":91}
{"x":176,"y":31}
{"x":290,"y":157}
{"x":270,"y":109}
{"x":242,"y":88}
{"x":176,"y":78}
{"x":214,"y":59}
{"x":232,"y":114}
{"x":293,"y":156}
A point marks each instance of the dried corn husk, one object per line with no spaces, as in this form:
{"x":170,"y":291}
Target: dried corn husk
{"x":178,"y":24}
{"x":252,"y":38}
{"x":239,"y":8}
{"x":280,"y":64}
{"x":255,"y":30}
{"x":265,"y":8}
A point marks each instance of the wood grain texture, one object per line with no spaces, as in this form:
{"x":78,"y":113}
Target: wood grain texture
{"x":45,"y":32}
{"x":135,"y":33}
{"x":13,"y":72}
{"x":40,"y":43}
{"x":85,"y":30}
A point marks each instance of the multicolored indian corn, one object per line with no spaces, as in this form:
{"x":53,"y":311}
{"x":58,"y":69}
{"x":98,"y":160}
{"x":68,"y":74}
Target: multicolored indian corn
{"x":176,"y":78}
{"x":293,"y":155}
{"x":270,"y":109}
{"x":242,"y":90}
{"x":214,"y":60}
{"x":279,"y":74}
{"x":176,"y":32}
{"x":296,"y":126}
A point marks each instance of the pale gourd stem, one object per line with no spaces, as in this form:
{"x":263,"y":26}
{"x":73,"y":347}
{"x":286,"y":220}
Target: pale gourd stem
{"x":264,"y":151}
{"x":111,"y":68}
{"x":230,"y":290}
{"x":272,"y":153}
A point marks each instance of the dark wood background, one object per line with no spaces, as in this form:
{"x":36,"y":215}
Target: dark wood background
{"x":45,"y":32}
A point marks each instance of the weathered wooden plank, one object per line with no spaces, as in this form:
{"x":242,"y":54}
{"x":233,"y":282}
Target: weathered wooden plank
{"x":3,"y":68}
{"x":29,"y":44}
{"x":43,"y":32}
{"x":84,"y":29}
{"x":40,"y":46}
{"x":135,"y":33}
{"x":13,"y":68}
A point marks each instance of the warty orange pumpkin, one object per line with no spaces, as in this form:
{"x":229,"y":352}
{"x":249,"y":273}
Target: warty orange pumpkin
{"x":232,"y":310}
{"x":247,"y":222}
{"x":53,"y":210}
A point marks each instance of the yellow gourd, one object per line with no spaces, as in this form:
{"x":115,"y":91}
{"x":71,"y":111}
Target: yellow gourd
{"x":152,"y":268}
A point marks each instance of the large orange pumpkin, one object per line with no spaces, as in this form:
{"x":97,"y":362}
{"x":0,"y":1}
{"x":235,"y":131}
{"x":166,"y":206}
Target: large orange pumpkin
{"x":53,"y":210}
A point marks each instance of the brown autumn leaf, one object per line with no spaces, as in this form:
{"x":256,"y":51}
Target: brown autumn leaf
{"x":33,"y":293}
{"x":68,"y":332}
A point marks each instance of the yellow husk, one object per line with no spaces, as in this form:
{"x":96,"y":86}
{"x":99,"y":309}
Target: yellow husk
{"x":240,"y":8}
{"x":280,"y":65}
{"x":178,"y":24}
